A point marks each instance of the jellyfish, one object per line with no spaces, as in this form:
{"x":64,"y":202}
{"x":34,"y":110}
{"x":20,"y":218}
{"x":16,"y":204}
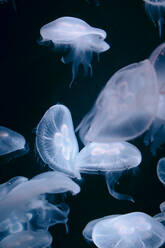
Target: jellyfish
{"x":112,"y":159}
{"x":161,"y":170}
{"x":78,"y":39}
{"x":56,"y":142}
{"x":135,"y":229}
{"x":28,"y":238}
{"x":127,"y":104}
{"x":12,"y":144}
{"x":156,"y":9}
{"x":27,"y":196}
{"x":87,"y":231}
{"x":156,"y":133}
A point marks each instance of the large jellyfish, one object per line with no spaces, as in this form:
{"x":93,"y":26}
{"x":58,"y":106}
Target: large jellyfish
{"x":56,"y":142}
{"x":79,"y":40}
{"x":12,"y":143}
{"x":156,"y":10}
{"x":110,"y":158}
{"x":127,"y":104}
{"x":135,"y":229}
{"x":156,"y":133}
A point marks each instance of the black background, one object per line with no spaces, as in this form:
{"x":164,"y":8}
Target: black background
{"x":33,"y":78}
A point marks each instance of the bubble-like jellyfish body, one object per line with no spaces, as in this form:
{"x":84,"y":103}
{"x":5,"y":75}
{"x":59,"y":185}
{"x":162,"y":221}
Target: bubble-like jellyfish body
{"x":111,"y":158}
{"x":25,"y":195}
{"x":11,"y":141}
{"x":127,"y":104}
{"x":78,"y":37}
{"x":56,"y":141}
{"x":161,"y":216}
{"x":87,"y":231}
{"x":130,"y":230}
{"x":156,"y":10}
{"x":156,"y":133}
{"x":161,"y":170}
{"x":30,"y":239}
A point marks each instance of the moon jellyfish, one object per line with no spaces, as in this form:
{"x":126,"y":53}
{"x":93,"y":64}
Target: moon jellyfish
{"x":56,"y":142}
{"x":129,"y":230}
{"x":160,"y":217}
{"x":161,"y":170}
{"x":12,"y":144}
{"x":30,"y":239}
{"x":78,"y":39}
{"x":87,"y":231}
{"x":127,"y":104}
{"x":156,"y":10}
{"x":110,"y":158}
{"x":156,"y":134}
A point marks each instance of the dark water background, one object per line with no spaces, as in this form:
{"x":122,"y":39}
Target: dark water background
{"x":32,"y":78}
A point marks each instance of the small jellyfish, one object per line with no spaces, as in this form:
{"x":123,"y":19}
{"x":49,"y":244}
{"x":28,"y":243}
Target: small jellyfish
{"x":127,"y":104}
{"x":161,"y":170}
{"x":12,"y":143}
{"x":56,"y":142}
{"x":79,"y":38}
{"x":87,"y":231}
{"x":112,"y":159}
{"x":156,"y":133}
{"x":30,"y":239}
{"x":135,"y":229}
{"x":156,"y":10}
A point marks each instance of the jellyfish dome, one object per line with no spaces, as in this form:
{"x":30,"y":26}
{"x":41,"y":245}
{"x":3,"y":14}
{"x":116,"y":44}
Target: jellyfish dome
{"x":10,"y":141}
{"x":115,"y":156}
{"x":161,"y":170}
{"x":130,"y":230}
{"x":127,"y":104}
{"x":78,"y":37}
{"x":87,"y":231}
{"x":156,"y":9}
{"x":56,"y":142}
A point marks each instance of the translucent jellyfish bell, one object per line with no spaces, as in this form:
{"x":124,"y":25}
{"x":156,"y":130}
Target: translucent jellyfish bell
{"x":78,"y":37}
{"x":130,"y":230}
{"x":156,"y":10}
{"x":161,"y":170}
{"x":127,"y":104}
{"x":87,"y":231}
{"x":11,"y":141}
{"x":156,"y":133}
{"x":110,"y":158}
{"x":56,"y":142}
{"x":27,"y":239}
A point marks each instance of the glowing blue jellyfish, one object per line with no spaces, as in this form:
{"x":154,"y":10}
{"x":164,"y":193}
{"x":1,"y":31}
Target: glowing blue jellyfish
{"x":127,"y":104}
{"x":87,"y":231}
{"x":112,"y":159}
{"x":11,"y":141}
{"x":156,"y":133}
{"x":79,"y":40}
{"x":130,"y":230}
{"x":28,"y":238}
{"x":56,"y":142}
{"x":156,"y":10}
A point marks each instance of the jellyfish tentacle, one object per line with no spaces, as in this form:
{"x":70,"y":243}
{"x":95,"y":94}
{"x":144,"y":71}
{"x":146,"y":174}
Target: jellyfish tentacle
{"x":111,"y":180}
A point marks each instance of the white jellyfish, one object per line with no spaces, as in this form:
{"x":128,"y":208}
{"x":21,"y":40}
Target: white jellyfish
{"x":161,"y":170}
{"x":12,"y":144}
{"x":160,"y":217}
{"x":127,"y":104}
{"x":135,"y":229}
{"x":156,"y":133}
{"x":24,"y":239}
{"x":156,"y":10}
{"x":56,"y":142}
{"x":112,"y":159}
{"x":79,"y":38}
